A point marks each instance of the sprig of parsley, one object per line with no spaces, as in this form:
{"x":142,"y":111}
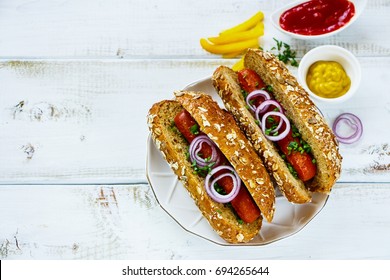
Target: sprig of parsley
{"x":202,"y":171}
{"x":285,"y":54}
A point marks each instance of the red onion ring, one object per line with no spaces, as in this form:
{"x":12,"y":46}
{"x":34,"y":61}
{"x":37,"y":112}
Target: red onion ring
{"x":283,"y":118}
{"x":353,"y":122}
{"x":210,"y":186}
{"x":196,"y":146}
{"x":264,"y":106}
{"x":254,"y":94}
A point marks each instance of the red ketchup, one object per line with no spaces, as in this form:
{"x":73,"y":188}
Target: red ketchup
{"x":317,"y":17}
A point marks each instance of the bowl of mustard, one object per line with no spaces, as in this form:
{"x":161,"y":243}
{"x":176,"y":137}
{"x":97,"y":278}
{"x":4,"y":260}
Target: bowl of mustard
{"x":330,"y":73}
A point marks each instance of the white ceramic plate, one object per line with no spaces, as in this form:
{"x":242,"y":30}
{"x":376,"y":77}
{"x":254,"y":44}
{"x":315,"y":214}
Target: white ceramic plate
{"x":174,"y":199}
{"x":359,"y":7}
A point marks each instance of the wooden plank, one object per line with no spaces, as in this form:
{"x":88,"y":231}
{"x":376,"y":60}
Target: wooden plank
{"x":139,"y":28}
{"x":125,"y":222}
{"x":81,"y":122}
{"x":87,"y":29}
{"x":77,"y":121}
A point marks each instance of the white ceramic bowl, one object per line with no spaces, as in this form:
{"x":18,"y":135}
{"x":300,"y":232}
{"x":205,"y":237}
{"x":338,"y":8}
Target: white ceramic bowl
{"x":359,"y":7}
{"x":331,"y":53}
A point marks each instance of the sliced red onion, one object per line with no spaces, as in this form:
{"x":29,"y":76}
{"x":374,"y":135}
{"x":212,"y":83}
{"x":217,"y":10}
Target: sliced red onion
{"x":353,"y":122}
{"x":256,"y":93}
{"x":264,"y":106}
{"x":209,"y":186}
{"x":196,"y":146}
{"x":283,"y":118}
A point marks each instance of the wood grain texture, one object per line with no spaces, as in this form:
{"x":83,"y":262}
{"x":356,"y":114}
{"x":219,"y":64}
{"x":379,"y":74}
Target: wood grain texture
{"x":88,"y":29}
{"x":125,"y":222}
{"x":138,"y":28}
{"x":77,"y":121}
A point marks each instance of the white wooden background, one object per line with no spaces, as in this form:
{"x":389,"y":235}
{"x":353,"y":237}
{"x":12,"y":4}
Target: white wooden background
{"x":76,"y":81}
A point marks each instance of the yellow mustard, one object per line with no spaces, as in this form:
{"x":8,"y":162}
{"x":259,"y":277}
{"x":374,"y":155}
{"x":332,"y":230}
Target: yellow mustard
{"x":328,"y":79}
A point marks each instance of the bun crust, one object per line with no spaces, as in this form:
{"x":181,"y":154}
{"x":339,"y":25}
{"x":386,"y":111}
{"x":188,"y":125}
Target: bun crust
{"x":221,"y":127}
{"x":173,"y":148}
{"x":305,"y":115}
{"x":225,"y":80}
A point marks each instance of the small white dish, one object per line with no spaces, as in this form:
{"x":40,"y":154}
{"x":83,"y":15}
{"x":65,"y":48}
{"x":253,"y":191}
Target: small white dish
{"x":331,"y":53}
{"x":174,"y":199}
{"x":359,"y":7}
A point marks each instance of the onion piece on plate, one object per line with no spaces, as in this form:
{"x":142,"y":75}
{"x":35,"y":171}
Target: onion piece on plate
{"x":353,"y":123}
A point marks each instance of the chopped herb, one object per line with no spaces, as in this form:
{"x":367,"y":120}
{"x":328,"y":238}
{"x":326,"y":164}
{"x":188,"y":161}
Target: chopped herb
{"x":244,"y":93}
{"x":295,"y":132}
{"x":268,"y":131}
{"x":174,"y":128}
{"x":219,"y":189}
{"x":289,"y":166}
{"x":257,"y":122}
{"x":273,"y":127}
{"x":202,"y":171}
{"x":292,"y":170}
{"x":292,"y":146}
{"x":269,"y":88}
{"x":194,"y":129}
{"x":284,"y":53}
{"x":187,"y":153}
{"x":270,"y":120}
{"x":302,"y":146}
{"x":306,"y":147}
{"x":314,"y":161}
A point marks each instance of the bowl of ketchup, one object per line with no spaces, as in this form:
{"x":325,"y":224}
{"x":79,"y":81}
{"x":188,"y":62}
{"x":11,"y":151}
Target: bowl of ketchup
{"x":316,"y":19}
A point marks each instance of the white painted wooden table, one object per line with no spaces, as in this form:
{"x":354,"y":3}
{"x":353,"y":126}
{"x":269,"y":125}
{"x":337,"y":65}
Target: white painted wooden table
{"x":76,"y":81}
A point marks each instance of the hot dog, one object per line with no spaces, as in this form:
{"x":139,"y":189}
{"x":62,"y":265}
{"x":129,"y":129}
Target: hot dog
{"x":243,"y":203}
{"x":296,"y":145}
{"x":300,"y":159}
{"x":176,"y":126}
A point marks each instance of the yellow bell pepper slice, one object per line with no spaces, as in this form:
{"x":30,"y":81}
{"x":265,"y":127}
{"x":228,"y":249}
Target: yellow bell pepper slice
{"x":253,"y":33}
{"x":239,"y":65}
{"x":235,"y":54}
{"x":248,"y":24}
{"x":228,"y":48}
